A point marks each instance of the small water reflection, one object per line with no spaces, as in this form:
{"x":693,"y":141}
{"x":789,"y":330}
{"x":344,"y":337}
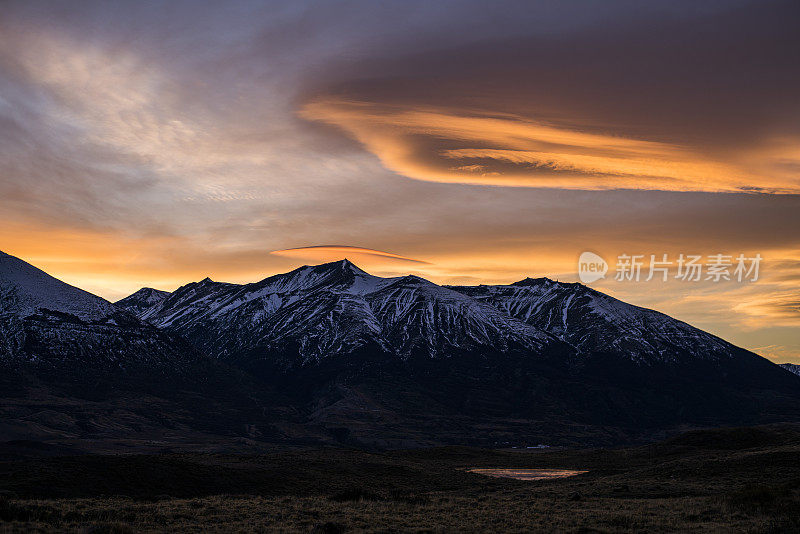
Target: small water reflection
{"x":527,"y":474}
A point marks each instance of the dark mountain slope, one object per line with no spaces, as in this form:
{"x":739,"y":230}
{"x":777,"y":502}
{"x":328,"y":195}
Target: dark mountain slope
{"x":73,"y":366}
{"x":402,"y":360}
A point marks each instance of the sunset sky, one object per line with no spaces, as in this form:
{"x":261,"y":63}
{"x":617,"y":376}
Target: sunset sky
{"x":157,"y":143}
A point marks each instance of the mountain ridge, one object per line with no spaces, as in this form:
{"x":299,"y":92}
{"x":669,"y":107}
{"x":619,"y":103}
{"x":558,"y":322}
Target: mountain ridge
{"x":593,"y":321}
{"x":554,"y":310}
{"x":330,"y":353}
{"x":351,"y":346}
{"x":75,"y":367}
{"x":371,"y":309}
{"x":25,"y":289}
{"x":43,"y":319}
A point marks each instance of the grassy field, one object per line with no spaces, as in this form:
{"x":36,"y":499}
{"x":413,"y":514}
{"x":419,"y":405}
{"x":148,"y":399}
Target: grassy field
{"x":745,"y":480}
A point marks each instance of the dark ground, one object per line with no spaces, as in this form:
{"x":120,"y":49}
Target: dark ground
{"x":744,"y":479}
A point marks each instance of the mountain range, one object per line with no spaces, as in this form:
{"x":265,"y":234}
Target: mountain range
{"x":59,"y":328}
{"x":330,"y":353}
{"x":75,"y":367}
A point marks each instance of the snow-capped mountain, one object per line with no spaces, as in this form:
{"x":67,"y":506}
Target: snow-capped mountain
{"x":74,"y":366}
{"x":142,"y":300}
{"x":335,"y":308}
{"x":537,"y":348}
{"x":25,"y":290}
{"x":336,"y":353}
{"x":46,"y":322}
{"x":594,"y":322}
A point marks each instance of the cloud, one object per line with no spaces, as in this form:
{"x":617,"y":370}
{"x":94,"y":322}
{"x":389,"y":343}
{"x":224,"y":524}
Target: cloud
{"x":775,"y":308}
{"x":652,"y":102}
{"x":334,"y":252}
{"x":467,"y":147}
{"x":779,"y":353}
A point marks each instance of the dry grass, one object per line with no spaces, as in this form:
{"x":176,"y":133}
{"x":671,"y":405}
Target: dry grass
{"x":513,"y":512}
{"x":708,"y":486}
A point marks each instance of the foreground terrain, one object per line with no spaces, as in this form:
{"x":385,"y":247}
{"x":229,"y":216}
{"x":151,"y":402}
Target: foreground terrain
{"x":745,"y":479}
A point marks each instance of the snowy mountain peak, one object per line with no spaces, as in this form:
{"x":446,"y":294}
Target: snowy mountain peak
{"x":344,"y":263}
{"x":48,"y":324}
{"x":592,"y":321}
{"x":145,"y":298}
{"x":205,"y":284}
{"x":148,"y":295}
{"x":25,"y":290}
{"x":414,"y":280}
{"x":342,"y":274}
{"x":545,"y":282}
{"x":335,"y":307}
{"x":343,"y":266}
{"x":533,"y":282}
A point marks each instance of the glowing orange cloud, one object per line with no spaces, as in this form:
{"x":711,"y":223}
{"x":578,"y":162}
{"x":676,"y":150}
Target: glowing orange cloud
{"x":333,"y":252}
{"x":458,"y":146}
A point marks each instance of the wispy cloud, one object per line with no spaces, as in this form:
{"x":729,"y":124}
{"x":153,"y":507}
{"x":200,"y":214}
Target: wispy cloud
{"x":334,"y":252}
{"x":471,"y":147}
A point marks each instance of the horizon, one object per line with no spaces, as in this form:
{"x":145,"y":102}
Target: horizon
{"x":151,"y":144}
